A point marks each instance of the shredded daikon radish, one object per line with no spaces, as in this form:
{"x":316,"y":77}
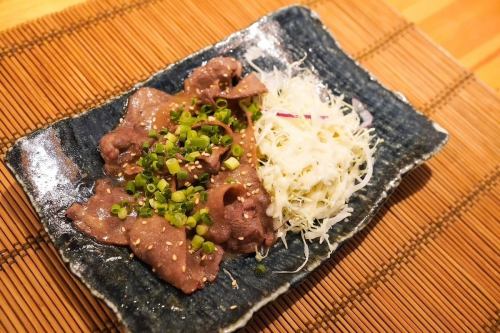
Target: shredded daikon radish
{"x":314,"y":154}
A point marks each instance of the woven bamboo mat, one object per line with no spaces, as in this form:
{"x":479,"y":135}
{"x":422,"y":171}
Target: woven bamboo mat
{"x":429,"y":261}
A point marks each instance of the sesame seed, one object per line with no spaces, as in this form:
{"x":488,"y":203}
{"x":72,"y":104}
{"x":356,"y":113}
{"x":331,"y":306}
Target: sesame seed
{"x":197,"y":162}
{"x":204,"y":279}
{"x":155,"y":127}
{"x":163,"y":229}
{"x":241,"y":142}
{"x":195,"y":176}
{"x":137,"y":241}
{"x":183,"y":268}
{"x":223,"y":169}
{"x":248,"y":194}
{"x":212,"y":180}
{"x":133,"y":154}
{"x":197,"y":200}
{"x":108,"y":190}
{"x":249,"y":155}
{"x":142,"y":123}
{"x":232,"y":307}
{"x":168,"y":243}
{"x":242,"y":131}
{"x":249,"y":184}
{"x":131,"y":256}
{"x":174,"y":257}
{"x":180,"y":243}
{"x":199,"y":167}
{"x":150,"y":247}
{"x":120,"y":174}
{"x":245,"y":215}
{"x":187,"y":184}
{"x":241,"y":238}
{"x":122,"y":229}
{"x":203,"y":257}
{"x":153,"y":270}
{"x":144,"y":222}
{"x":243,"y":173}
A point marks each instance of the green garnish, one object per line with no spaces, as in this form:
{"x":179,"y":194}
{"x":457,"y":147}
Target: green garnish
{"x":178,"y":196}
{"x":237,"y":150}
{"x":260,"y":269}
{"x":197,"y":242}
{"x":208,"y":247}
{"x":231,"y":163}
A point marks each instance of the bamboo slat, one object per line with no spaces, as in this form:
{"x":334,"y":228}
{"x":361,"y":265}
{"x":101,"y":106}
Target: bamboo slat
{"x":428,"y":262}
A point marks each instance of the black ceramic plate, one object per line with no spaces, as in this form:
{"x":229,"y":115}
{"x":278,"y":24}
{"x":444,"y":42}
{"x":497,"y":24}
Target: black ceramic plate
{"x":58,"y":165}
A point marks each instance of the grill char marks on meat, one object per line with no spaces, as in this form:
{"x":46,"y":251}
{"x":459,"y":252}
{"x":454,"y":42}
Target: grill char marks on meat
{"x":122,"y":145}
{"x":94,"y":217}
{"x":236,"y":200}
{"x":165,"y":248}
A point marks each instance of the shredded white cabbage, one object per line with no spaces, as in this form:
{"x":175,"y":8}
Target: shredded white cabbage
{"x":314,"y":154}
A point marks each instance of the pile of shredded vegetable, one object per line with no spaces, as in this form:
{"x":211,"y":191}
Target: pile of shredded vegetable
{"x":314,"y":153}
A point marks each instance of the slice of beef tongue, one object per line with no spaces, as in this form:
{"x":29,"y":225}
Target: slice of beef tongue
{"x":165,"y":248}
{"x":94,"y":217}
{"x":215,"y":79}
{"x":239,"y":211}
{"x":147,"y":108}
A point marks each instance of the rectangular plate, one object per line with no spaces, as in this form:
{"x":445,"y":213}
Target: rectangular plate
{"x":59,"y":165}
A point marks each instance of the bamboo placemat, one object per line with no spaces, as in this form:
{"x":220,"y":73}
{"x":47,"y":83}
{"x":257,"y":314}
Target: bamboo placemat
{"x":428,"y":262}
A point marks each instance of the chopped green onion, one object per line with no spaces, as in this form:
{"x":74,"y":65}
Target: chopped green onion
{"x":115,"y":209}
{"x":191,"y":222}
{"x":197,"y":242}
{"x":164,"y":131}
{"x":260,"y":269}
{"x":175,"y":115}
{"x":153,"y":203}
{"x":179,"y":220}
{"x":191,"y":134}
{"x":206,"y":219}
{"x":204,"y":177}
{"x":186,"y":119}
{"x":122,"y":213}
{"x":194,"y":101}
{"x":237,"y":150}
{"x":231,"y":163}
{"x":201,"y":229}
{"x":178,"y":196}
{"x":153,"y":134}
{"x":208,"y":247}
{"x":151,"y":188}
{"x":203,"y":211}
{"x":203,"y":196}
{"x":159,"y":148}
{"x":191,"y":157}
{"x":206,"y":108}
{"x":130,"y":187}
{"x":173,"y":166}
{"x":145,"y":145}
{"x":160,"y":197}
{"x":140,"y":180}
{"x":145,"y":212}
{"x":171,"y":137}
{"x":223,"y":115}
{"x":221,"y":103}
{"x":226,"y":140}
{"x":162,"y":184}
{"x":182,"y":175}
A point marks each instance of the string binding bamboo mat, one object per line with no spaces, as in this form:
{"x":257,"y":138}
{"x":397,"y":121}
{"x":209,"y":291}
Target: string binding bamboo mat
{"x":428,"y":262}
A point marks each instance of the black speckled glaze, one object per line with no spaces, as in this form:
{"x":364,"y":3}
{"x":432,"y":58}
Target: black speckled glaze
{"x":59,"y":164}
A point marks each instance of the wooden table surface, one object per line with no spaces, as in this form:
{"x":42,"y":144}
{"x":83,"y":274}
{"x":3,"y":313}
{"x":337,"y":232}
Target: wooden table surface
{"x":468,"y":29}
